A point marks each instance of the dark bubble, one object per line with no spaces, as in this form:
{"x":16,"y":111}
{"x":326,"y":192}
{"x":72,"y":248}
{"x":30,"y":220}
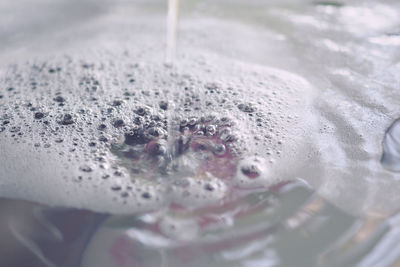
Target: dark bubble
{"x":116,"y":103}
{"x":146,"y":195}
{"x":138,"y":120}
{"x":118,"y":123}
{"x":251,"y":170}
{"x":219,"y":150}
{"x":155,"y":117}
{"x":192,"y":121}
{"x":92,"y":144}
{"x":211,"y":130}
{"x":225,"y":135}
{"x":163,"y":105}
{"x":118,"y":173}
{"x":102,"y":127}
{"x":39,"y":115}
{"x":85,"y":168}
{"x":103,"y":139}
{"x":155,"y":132}
{"x":116,"y":188}
{"x":65,"y":119}
{"x":15,"y":129}
{"x":59,"y":99}
{"x":209,"y":187}
{"x":136,"y":137}
{"x":183,"y":123}
{"x":141,"y":111}
{"x":246,"y":108}
{"x":225,"y":122}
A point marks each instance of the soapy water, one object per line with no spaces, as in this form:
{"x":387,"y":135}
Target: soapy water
{"x":287,"y":90}
{"x":127,"y":143}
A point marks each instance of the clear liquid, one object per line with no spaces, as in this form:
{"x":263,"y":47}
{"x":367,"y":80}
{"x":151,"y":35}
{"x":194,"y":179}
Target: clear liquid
{"x":172,"y":25}
{"x":333,"y":129}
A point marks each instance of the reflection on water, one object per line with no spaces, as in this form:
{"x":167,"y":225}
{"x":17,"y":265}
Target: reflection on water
{"x":37,"y":236}
{"x":288,"y":225}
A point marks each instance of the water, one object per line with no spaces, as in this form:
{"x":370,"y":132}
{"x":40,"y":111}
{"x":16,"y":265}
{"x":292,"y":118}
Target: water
{"x":266,"y":132}
{"x":172,"y":24}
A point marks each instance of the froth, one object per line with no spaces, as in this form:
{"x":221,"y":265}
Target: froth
{"x":103,"y":133}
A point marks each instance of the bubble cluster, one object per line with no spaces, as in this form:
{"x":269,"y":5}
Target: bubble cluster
{"x":122,"y":137}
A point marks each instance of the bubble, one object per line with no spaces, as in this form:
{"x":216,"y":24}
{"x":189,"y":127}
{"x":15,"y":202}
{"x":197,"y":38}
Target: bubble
{"x":141,"y":111}
{"x":116,"y":188}
{"x":163,"y":105}
{"x":117,"y":103}
{"x":211,"y":130}
{"x":219,"y":149}
{"x":39,"y":115}
{"x":136,"y":137}
{"x":118,"y":123}
{"x":226,"y":136}
{"x":198,"y":191}
{"x":156,"y":132}
{"x":102,"y":127}
{"x":15,"y":129}
{"x":246,"y":108}
{"x":103,"y":139}
{"x":85,"y":168}
{"x":59,"y":99}
{"x":192,"y":121}
{"x":146,"y":195}
{"x":253,"y":172}
{"x":65,"y":119}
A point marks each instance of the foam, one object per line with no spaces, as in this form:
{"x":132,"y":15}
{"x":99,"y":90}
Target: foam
{"x":67,"y":118}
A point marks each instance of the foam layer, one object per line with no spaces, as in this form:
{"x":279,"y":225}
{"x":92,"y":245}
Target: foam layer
{"x":102,"y":132}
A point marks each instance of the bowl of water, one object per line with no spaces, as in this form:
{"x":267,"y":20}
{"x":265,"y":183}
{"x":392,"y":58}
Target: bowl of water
{"x":199,"y":133}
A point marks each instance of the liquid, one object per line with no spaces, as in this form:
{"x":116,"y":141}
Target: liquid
{"x":172,"y":24}
{"x":280,"y":93}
